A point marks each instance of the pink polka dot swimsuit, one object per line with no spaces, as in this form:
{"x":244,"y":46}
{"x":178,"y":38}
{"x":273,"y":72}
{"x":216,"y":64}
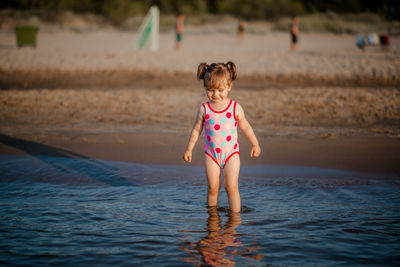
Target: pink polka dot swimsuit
{"x":221,"y":133}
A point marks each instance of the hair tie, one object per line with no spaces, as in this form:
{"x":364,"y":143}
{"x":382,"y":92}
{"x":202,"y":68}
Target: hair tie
{"x":204,"y":72}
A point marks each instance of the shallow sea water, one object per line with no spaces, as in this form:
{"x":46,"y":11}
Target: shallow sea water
{"x":82,"y":212}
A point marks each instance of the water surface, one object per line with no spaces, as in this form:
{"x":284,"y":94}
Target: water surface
{"x":81,"y":211}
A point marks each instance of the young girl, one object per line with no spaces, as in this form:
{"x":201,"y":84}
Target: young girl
{"x":220,"y":117}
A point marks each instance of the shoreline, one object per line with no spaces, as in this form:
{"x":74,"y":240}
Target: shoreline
{"x":364,"y":154}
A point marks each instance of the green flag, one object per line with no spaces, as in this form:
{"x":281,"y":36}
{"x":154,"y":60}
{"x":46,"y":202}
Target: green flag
{"x":148,"y":30}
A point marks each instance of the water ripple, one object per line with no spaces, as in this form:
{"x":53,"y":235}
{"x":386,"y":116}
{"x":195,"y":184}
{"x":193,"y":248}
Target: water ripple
{"x":80,"y":212}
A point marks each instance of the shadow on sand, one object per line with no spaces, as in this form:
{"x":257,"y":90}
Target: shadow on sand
{"x":68,"y":162}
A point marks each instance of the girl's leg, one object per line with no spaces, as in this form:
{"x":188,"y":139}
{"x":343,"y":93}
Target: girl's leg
{"x":213,"y":172}
{"x":231,"y":182}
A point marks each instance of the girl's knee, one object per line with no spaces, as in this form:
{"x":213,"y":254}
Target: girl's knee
{"x":231,"y":188}
{"x":213,"y":189}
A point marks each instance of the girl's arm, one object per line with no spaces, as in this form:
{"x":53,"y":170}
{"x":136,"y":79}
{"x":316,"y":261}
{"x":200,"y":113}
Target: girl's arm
{"x":196,"y":131}
{"x":248,"y":131}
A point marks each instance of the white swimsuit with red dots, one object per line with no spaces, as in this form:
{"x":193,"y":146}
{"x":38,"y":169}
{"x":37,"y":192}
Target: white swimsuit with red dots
{"x":221,"y":133}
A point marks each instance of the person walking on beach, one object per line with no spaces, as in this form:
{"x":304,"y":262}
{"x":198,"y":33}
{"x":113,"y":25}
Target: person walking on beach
{"x":179,"y":30}
{"x":220,"y":117}
{"x":294,"y":33}
{"x":240,"y":31}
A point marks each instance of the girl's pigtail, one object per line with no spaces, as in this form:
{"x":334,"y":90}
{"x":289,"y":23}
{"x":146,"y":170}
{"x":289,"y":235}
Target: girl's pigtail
{"x":201,"y":70}
{"x":232,"y":69}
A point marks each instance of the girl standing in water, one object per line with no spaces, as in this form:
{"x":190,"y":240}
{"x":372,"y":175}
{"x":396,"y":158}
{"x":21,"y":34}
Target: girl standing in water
{"x":220,"y":117}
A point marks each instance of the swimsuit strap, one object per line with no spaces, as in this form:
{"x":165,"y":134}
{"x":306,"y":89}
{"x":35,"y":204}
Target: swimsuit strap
{"x":234,"y":109}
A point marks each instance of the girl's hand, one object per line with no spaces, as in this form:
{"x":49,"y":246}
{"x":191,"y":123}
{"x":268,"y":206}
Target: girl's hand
{"x":255,"y":151}
{"x":187,"y":156}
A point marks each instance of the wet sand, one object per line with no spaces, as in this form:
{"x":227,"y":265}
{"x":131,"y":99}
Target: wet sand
{"x":371,"y":154}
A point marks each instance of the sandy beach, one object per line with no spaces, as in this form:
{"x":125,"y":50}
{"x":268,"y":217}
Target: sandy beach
{"x":92,"y":134}
{"x":328,"y":104}
{"x":319,"y":55}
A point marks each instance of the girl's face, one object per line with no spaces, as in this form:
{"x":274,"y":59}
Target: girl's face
{"x":218,"y":95}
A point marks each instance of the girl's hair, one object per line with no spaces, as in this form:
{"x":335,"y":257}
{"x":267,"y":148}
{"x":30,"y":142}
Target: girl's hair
{"x":216,"y":73}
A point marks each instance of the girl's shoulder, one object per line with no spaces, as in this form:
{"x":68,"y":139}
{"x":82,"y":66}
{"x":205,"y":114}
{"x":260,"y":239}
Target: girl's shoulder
{"x":203,"y":107}
{"x":235,"y":102}
{"x":238,"y":110}
{"x":202,"y":110}
{"x":236,"y":105}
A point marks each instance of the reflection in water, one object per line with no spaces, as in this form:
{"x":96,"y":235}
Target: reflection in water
{"x":221,"y":246}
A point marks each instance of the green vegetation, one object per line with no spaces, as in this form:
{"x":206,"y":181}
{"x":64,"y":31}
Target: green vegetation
{"x":117,"y":11}
{"x":335,"y":16}
{"x":340,"y":23}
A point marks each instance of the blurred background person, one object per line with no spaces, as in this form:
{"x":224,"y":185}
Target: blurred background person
{"x":179,"y":30}
{"x":294,"y":33}
{"x":241,"y":29}
{"x":385,"y":42}
{"x":373,"y":39}
{"x":360,"y":42}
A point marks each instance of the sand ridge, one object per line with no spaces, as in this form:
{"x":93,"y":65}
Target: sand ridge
{"x":345,"y":111}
